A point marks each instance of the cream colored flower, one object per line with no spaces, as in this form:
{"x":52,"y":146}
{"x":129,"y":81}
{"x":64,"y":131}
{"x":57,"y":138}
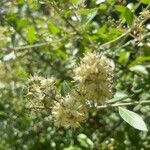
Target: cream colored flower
{"x":42,"y":91}
{"x":94,"y":76}
{"x":70,"y":112}
{"x":145,"y":14}
{"x":94,"y":82}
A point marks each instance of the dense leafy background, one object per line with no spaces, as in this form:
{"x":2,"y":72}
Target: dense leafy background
{"x":61,"y":33}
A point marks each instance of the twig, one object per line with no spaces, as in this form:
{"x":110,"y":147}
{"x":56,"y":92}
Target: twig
{"x":123,"y":104}
{"x":39,"y":107}
{"x":47,"y":43}
{"x":106,"y":105}
{"x":134,"y":40}
{"x":147,"y":7}
{"x":107,"y":44}
{"x":137,"y":6}
{"x":31,"y":46}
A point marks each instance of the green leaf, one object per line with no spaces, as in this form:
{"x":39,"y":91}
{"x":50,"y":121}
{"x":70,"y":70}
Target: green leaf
{"x":88,"y":11}
{"x":139,"y":69}
{"x":120,"y":8}
{"x":133,"y":119}
{"x":145,"y":1}
{"x":65,"y":88}
{"x":31,"y":35}
{"x":3,"y":115}
{"x":119,"y":96}
{"x":110,"y":1}
{"x":139,"y":60}
{"x":22,"y":23}
{"x":74,"y":1}
{"x":103,"y":7}
{"x":124,"y":57}
{"x":128,"y":15}
{"x":53,"y":29}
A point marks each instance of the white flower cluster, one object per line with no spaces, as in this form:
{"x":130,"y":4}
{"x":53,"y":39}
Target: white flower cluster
{"x":94,"y":82}
{"x":94,"y":76}
{"x":42,"y":91}
{"x":71,"y":111}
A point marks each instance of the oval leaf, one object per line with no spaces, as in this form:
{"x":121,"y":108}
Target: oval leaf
{"x":128,"y":15}
{"x":133,"y":119}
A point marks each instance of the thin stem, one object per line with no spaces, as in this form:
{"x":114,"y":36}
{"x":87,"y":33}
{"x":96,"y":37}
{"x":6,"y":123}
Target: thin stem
{"x":137,"y":6}
{"x":31,"y":46}
{"x":107,"y":44}
{"x":47,"y":43}
{"x":39,"y":107}
{"x":134,"y":40}
{"x":107,"y":105}
{"x":123,"y":104}
{"x":147,"y":7}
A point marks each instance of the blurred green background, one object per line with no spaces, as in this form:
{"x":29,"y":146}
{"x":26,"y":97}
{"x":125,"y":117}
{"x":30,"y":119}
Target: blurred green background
{"x":47,"y":38}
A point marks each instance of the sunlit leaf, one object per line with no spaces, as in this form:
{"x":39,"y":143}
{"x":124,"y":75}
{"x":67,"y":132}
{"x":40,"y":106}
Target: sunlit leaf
{"x":53,"y":28}
{"x":139,"y":60}
{"x":31,"y":35}
{"x":124,"y":57}
{"x":126,"y":13}
{"x":120,"y":8}
{"x":128,"y":16}
{"x":103,"y":7}
{"x":133,"y":119}
{"x":87,"y":11}
{"x":22,"y":23}
{"x":145,"y":1}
